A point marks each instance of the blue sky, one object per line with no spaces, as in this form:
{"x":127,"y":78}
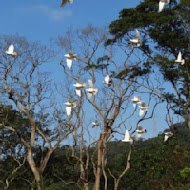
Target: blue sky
{"x":38,"y":20}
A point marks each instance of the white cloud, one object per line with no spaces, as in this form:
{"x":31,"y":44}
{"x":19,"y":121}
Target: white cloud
{"x":57,"y":14}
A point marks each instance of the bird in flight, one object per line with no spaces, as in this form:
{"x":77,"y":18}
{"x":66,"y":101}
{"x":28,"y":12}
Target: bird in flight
{"x":107,"y":80}
{"x":140,"y":130}
{"x":79,"y":86}
{"x":136,"y":100}
{"x":162,"y":3}
{"x":179,"y":59}
{"x":135,"y":40}
{"x":143,"y":107}
{"x":70,"y":57}
{"x":167,"y":135}
{"x":65,"y":1}
{"x":11,"y":51}
{"x":91,"y":90}
{"x":95,"y":123}
{"x":70,"y":105}
{"x":127,"y":138}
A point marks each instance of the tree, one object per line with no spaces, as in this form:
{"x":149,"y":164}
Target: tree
{"x":163,"y":36}
{"x":29,"y":91}
{"x":110,"y":106}
{"x":12,"y":151}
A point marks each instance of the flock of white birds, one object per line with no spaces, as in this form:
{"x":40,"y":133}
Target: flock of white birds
{"x":136,"y":100}
{"x":92,"y":91}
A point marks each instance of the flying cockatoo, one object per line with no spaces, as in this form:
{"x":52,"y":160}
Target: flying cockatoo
{"x":179,"y":59}
{"x":140,"y":130}
{"x":143,"y":108}
{"x":162,"y":3}
{"x":79,"y":86}
{"x":136,"y":100}
{"x":91,"y":90}
{"x":70,"y":57}
{"x":127,"y":138}
{"x":135,"y":40}
{"x":69,"y":106}
{"x":167,"y":135}
{"x":95,"y":123}
{"x":107,"y":80}
{"x":66,"y":1}
{"x":11,"y":51}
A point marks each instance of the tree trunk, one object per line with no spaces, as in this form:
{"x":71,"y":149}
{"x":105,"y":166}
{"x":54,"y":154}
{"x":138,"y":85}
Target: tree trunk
{"x":37,"y":174}
{"x":85,"y":186}
{"x":99,"y":164}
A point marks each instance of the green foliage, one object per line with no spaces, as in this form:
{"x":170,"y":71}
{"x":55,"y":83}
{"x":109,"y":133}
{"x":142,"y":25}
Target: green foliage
{"x":166,"y":33}
{"x":185,"y":172}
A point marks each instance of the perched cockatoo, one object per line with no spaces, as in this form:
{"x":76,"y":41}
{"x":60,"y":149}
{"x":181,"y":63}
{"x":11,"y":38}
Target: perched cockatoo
{"x":162,"y":3}
{"x":135,"y":40}
{"x":136,"y":100}
{"x":91,"y":90}
{"x":179,"y":59}
{"x":79,"y":86}
{"x":143,"y":108}
{"x":107,"y":80}
{"x":66,"y":1}
{"x":69,"y":106}
{"x":140,"y":130}
{"x":70,"y":57}
{"x":167,"y":135}
{"x":95,"y":123}
{"x":127,"y":138}
{"x":11,"y":51}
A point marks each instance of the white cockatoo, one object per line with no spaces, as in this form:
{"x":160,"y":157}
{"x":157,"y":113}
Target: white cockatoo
{"x":107,"y":80}
{"x":140,"y":130}
{"x":127,"y":138}
{"x":70,"y":57}
{"x":179,"y":59}
{"x":69,"y":106}
{"x":167,"y":135}
{"x":162,"y":3}
{"x":136,"y":100}
{"x":95,"y":123}
{"x":79,"y":86}
{"x":11,"y":51}
{"x":143,"y":108}
{"x":91,"y":90}
{"x":135,"y":40}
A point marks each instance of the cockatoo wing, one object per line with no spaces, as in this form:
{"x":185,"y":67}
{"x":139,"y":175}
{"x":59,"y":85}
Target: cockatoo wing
{"x":11,"y":49}
{"x":127,"y":135}
{"x":179,"y":57}
{"x":161,"y":6}
{"x":137,"y":34}
{"x":141,"y":112}
{"x":68,"y":110}
{"x":166,"y":137}
{"x":107,"y":78}
{"x":138,"y":135}
{"x":69,"y":63}
{"x":78,"y":92}
{"x":90,"y":83}
{"x":139,"y":128}
{"x":134,"y":105}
